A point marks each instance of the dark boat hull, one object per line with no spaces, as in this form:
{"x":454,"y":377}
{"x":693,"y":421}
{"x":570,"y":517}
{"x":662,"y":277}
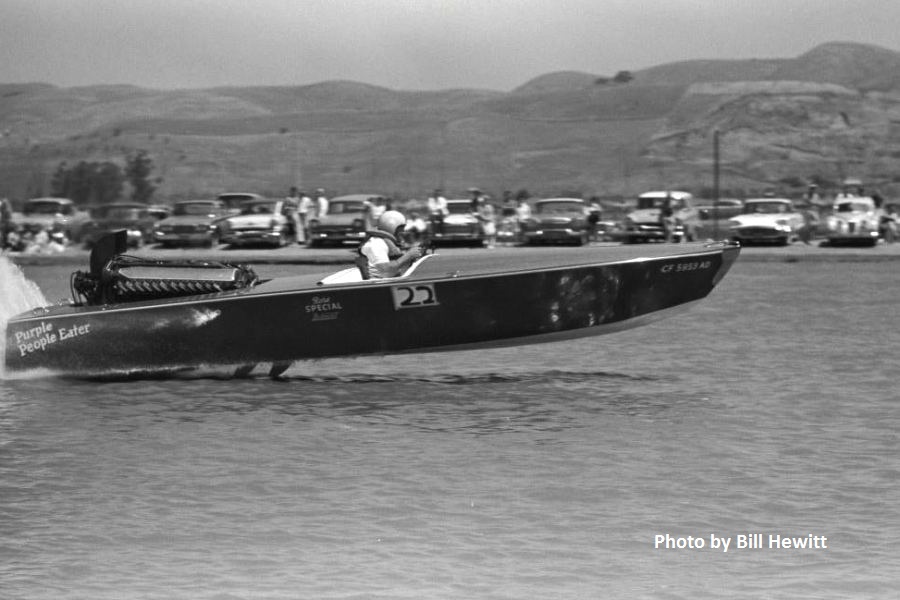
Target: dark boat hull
{"x":448,"y":303}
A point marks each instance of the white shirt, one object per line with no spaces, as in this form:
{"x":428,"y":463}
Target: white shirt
{"x":322,"y":203}
{"x":376,"y":252}
{"x":306,"y":204}
{"x":437,"y":206}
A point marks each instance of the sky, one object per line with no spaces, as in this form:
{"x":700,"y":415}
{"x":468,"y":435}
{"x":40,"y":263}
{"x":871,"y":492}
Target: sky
{"x":407,"y":44}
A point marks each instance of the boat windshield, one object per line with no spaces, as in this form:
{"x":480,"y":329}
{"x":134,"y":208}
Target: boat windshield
{"x":559,"y":208}
{"x":765,"y":208}
{"x":194,"y":208}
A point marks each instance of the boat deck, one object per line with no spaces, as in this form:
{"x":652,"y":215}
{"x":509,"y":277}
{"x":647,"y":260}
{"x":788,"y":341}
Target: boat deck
{"x":485,"y":263}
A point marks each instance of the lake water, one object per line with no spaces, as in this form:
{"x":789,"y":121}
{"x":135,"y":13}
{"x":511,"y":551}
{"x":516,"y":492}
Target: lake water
{"x":537,"y":472}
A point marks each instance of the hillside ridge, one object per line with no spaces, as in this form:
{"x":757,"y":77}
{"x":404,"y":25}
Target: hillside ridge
{"x":833,"y":111}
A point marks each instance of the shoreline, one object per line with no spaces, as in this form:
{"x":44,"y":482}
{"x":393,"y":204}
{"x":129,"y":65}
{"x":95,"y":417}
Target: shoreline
{"x":344,"y":255}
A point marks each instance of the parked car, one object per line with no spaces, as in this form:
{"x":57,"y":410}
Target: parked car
{"x":725,"y":208}
{"x":133,"y":217}
{"x":555,"y":220}
{"x":192,"y":222}
{"x":159,"y":211}
{"x":49,"y":213}
{"x":460,"y":226}
{"x":262,"y":221}
{"x":644,"y":223}
{"x":766,"y":221}
{"x":855,"y":221}
{"x":234,"y":201}
{"x":347,"y":220}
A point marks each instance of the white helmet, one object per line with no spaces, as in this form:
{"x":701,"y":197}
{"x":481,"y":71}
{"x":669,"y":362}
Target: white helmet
{"x":390,"y":221}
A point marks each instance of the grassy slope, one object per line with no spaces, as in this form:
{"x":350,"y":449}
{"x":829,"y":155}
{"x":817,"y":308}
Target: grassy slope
{"x":562,"y":132}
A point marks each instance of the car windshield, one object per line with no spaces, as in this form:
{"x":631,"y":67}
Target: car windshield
{"x":853,"y":207}
{"x":459,"y":208}
{"x":258,"y":208}
{"x":343,"y":208}
{"x":647,"y":202}
{"x":194,"y":208}
{"x":47,"y":207}
{"x":559,"y":208}
{"x":119,"y":212}
{"x":765,"y":208}
{"x":233,"y":201}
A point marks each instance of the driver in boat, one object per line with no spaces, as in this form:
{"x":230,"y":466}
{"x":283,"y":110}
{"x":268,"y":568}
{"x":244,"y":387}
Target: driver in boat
{"x":380,"y":255}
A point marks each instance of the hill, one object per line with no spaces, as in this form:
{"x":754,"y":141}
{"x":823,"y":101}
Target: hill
{"x":828,"y":113}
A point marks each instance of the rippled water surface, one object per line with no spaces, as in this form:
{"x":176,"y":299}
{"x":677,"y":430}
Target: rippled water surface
{"x":537,"y":472}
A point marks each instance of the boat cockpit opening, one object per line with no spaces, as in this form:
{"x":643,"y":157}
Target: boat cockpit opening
{"x":352,"y":275}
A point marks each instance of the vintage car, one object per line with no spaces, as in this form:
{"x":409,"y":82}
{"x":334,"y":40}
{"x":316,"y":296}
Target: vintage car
{"x":766,"y":221}
{"x":347,"y":220}
{"x":133,"y":217}
{"x":555,"y":220}
{"x":855,"y":221}
{"x":159,"y":211}
{"x":53,"y":213}
{"x":725,"y":208}
{"x":460,"y":225}
{"x":234,"y":201}
{"x":192,"y":222}
{"x":644,"y":223}
{"x":262,"y":222}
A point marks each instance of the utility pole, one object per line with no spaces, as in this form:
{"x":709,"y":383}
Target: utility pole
{"x":716,"y":185}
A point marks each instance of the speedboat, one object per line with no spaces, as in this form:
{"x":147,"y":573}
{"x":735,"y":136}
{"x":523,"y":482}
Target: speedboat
{"x":135,"y":317}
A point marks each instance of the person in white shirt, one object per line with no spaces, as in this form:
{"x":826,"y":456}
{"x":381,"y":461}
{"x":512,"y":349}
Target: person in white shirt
{"x":523,"y":213}
{"x":380,"y":255}
{"x":321,"y":203}
{"x":292,"y":208}
{"x":437,"y":210}
{"x":305,"y":212}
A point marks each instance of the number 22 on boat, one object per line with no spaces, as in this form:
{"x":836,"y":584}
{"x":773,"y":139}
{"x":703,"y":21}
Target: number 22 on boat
{"x":414,"y":296}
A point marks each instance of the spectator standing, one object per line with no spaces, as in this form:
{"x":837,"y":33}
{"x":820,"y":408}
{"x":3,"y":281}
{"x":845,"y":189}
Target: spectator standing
{"x":485,"y":213}
{"x":595,"y":212}
{"x":437,"y":210}
{"x":304,"y":210}
{"x":321,"y":203}
{"x":810,"y":220}
{"x":508,"y":205}
{"x":5,"y":221}
{"x":523,"y":213}
{"x":377,"y":208}
{"x":292,"y":201}
{"x":667,"y":217}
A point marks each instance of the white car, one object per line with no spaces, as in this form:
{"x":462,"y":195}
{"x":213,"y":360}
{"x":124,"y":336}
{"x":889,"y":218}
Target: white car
{"x":855,"y":221}
{"x":460,"y":226}
{"x":262,"y":221}
{"x":644,"y":223}
{"x":766,"y":221}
